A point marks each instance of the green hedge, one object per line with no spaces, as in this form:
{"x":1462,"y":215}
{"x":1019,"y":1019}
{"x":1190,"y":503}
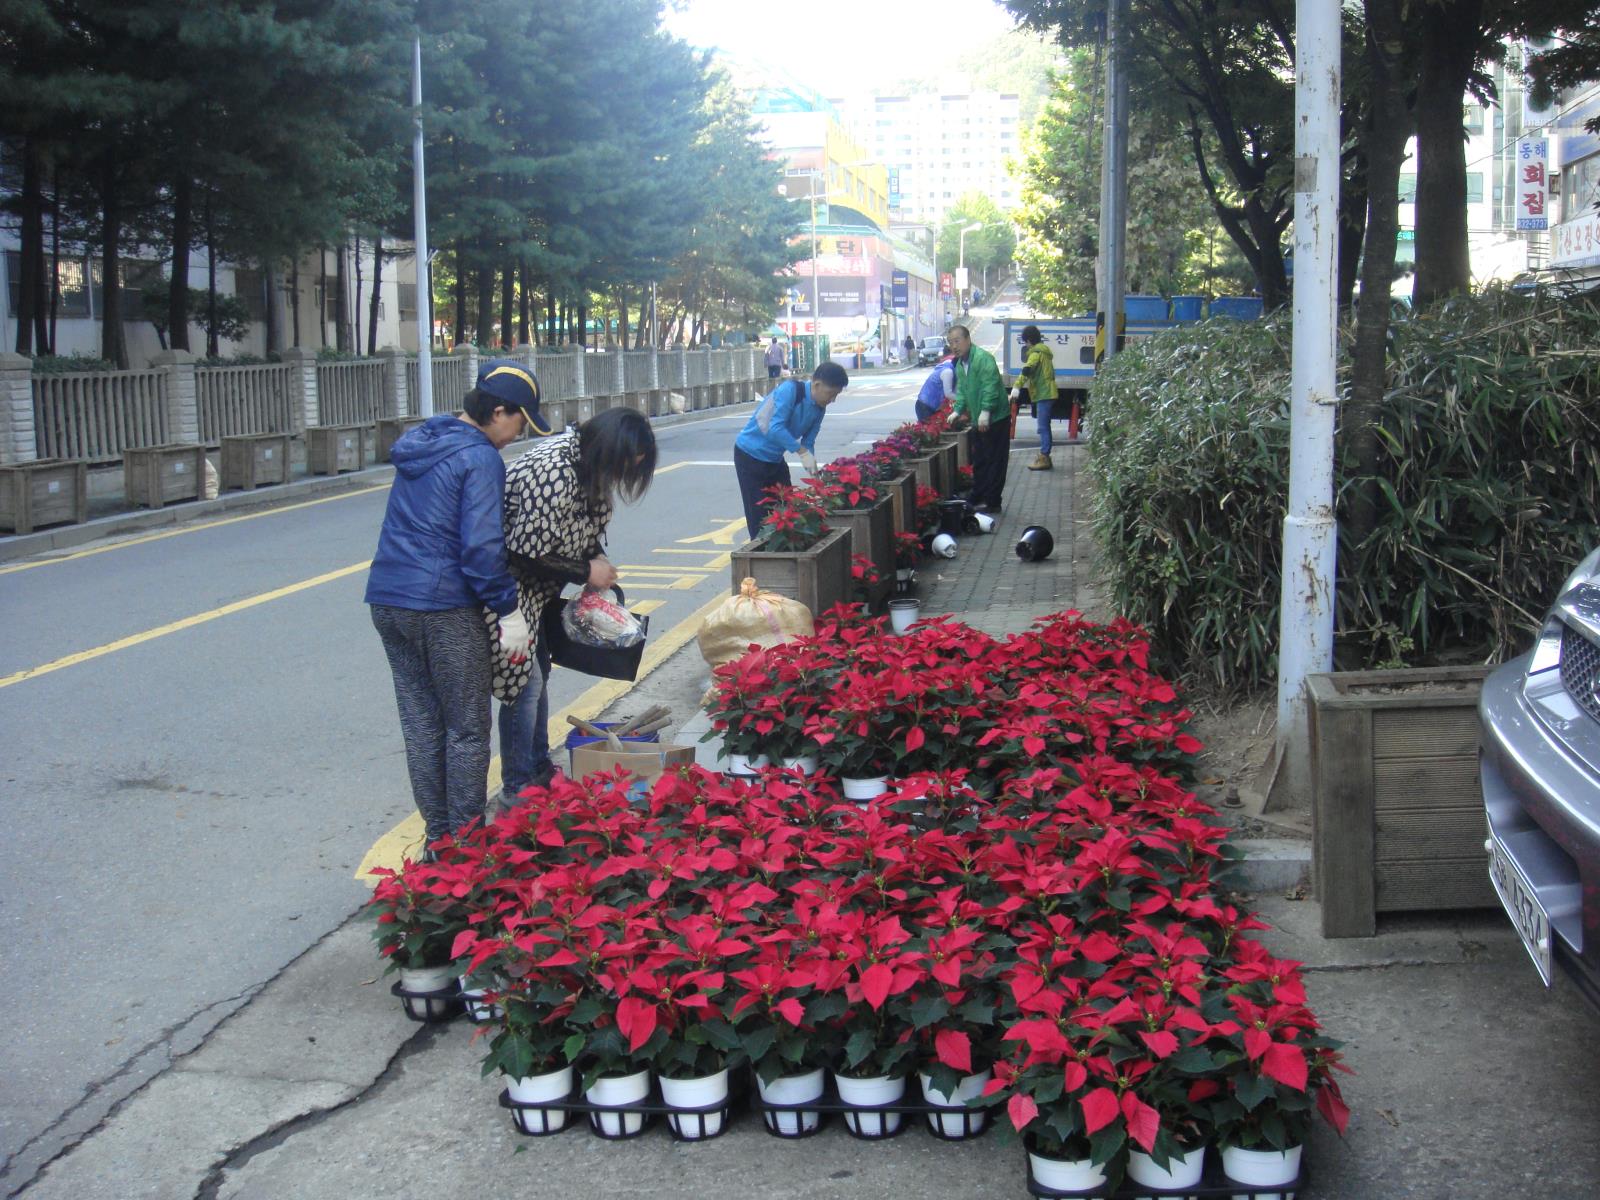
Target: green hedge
{"x":1489,"y":486}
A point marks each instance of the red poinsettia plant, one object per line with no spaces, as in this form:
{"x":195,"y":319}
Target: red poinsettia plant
{"x":796,"y":520}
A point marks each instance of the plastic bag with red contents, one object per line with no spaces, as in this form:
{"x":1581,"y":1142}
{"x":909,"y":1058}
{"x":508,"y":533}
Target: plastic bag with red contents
{"x":595,"y":619}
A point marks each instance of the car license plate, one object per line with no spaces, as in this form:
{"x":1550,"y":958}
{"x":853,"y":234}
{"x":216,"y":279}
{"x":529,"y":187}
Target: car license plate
{"x":1522,"y":906}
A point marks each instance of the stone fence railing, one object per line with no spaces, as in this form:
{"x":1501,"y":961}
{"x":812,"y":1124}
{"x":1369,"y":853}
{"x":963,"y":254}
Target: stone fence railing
{"x":96,"y":415}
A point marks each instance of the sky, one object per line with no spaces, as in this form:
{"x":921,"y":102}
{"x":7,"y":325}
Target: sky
{"x":839,"y":46}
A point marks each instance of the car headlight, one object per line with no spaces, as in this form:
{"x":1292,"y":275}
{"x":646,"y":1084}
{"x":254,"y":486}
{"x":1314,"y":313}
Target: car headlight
{"x":1547,"y":650}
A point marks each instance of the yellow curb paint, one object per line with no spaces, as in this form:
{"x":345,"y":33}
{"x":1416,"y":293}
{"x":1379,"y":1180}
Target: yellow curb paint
{"x":196,"y":528}
{"x":136,"y":639}
{"x":391,"y":849}
{"x":645,"y":607}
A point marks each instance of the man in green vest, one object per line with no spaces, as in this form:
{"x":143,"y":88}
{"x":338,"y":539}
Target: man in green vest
{"x":981,"y":399}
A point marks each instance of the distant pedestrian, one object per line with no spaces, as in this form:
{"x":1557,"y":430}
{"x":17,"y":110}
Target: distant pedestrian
{"x":938,"y":389}
{"x":1037,"y":382}
{"x":775,"y":357}
{"x":441,"y":560}
{"x":981,"y":399}
{"x":558,"y":503}
{"x":910,"y":345}
{"x":786,"y":422}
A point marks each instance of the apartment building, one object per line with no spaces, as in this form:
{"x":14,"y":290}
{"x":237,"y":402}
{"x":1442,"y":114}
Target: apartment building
{"x":938,"y":147}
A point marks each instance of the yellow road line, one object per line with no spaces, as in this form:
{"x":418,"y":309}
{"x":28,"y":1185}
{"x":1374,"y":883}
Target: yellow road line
{"x":196,"y":528}
{"x":84,"y":656}
{"x":644,"y":608}
{"x":658,"y":568}
{"x":392,"y":848}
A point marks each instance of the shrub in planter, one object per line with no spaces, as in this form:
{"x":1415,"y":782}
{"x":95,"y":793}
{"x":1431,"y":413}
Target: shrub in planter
{"x":797,"y":520}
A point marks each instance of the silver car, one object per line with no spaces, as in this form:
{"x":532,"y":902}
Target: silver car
{"x":1540,"y":768}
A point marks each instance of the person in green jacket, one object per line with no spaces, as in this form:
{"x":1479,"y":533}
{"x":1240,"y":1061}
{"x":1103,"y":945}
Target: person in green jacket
{"x":1038,"y":379}
{"x":981,"y":399}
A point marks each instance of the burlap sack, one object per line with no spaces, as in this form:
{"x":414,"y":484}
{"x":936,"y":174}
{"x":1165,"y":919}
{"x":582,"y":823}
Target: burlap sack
{"x":753,"y":617}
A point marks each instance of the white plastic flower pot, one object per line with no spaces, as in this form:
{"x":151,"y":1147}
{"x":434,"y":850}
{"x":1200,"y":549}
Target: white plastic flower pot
{"x":619,"y":1089}
{"x":944,"y":545}
{"x":792,"y":1089}
{"x":1066,"y":1175}
{"x":478,"y":1009}
{"x":534,"y":1089}
{"x":747,"y":764}
{"x":862,"y":790}
{"x":703,"y":1092}
{"x":868,"y":1093}
{"x":1178,"y":1173}
{"x":806,"y":764}
{"x":1261,"y":1168}
{"x":427,"y":979}
{"x":985,"y":522}
{"x":903,"y":614}
{"x":958,"y":1125}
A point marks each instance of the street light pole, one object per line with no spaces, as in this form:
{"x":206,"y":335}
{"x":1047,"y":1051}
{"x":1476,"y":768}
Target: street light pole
{"x":961,"y":244}
{"x":419,"y":193}
{"x":816,"y":304}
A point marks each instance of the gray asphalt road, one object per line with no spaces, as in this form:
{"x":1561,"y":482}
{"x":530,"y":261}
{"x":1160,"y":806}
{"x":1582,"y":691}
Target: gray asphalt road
{"x":186,"y":805}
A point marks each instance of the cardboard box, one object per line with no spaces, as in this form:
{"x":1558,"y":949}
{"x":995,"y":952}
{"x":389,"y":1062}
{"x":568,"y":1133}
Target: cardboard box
{"x":645,"y":762}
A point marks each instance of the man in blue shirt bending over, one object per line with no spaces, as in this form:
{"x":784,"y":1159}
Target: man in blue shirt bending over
{"x":786,"y":422}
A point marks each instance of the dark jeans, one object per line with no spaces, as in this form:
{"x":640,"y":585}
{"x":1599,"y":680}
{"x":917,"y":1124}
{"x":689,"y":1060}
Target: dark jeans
{"x":773,"y":370}
{"x":755,"y":476}
{"x":991,"y":455}
{"x":442,"y":679}
{"x":525,"y":731}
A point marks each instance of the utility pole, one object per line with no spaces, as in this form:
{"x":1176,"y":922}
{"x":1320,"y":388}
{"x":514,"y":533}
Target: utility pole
{"x":1309,"y":531}
{"x":419,"y":192}
{"x":1114,"y":178}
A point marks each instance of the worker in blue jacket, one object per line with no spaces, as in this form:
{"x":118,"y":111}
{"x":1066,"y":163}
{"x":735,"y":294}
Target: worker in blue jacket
{"x":786,"y":422}
{"x":441,"y":559}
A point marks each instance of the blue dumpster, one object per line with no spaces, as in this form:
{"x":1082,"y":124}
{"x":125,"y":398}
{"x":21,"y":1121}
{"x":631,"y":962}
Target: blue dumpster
{"x":1188,"y":308}
{"x":1240,"y":308}
{"x":1145,"y":308}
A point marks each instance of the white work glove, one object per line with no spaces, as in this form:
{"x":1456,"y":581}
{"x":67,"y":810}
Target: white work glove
{"x":808,"y":460}
{"x":1016,"y":394}
{"x":514,"y":635}
{"x":983,"y":421}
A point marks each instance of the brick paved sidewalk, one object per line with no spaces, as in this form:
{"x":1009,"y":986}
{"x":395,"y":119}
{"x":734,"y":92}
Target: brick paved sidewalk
{"x":987,"y":585}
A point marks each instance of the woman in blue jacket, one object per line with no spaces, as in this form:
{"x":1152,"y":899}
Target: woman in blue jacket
{"x":786,"y":422}
{"x":441,"y":558}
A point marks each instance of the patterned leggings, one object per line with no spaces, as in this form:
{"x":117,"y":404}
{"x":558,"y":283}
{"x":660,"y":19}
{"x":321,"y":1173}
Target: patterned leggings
{"x":440,"y":662}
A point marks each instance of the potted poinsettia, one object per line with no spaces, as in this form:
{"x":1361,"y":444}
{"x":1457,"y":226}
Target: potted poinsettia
{"x":534,"y":1048}
{"x":767,"y":1007}
{"x":854,"y":728}
{"x":1273,"y":1068}
{"x":417,"y":921}
{"x":855,"y":502}
{"x":740,"y":719}
{"x":869,"y":961}
{"x":692,"y":1066}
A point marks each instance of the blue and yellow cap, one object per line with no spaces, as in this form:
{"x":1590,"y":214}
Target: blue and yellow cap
{"x":514,"y":386}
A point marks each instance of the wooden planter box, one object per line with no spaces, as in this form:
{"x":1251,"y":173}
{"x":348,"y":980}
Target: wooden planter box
{"x":331,"y":449}
{"x":819,"y":577}
{"x":944,"y":469}
{"x":390,"y":431}
{"x":252,"y":459}
{"x":923,"y":468}
{"x":157,"y":475}
{"x":47,"y":491}
{"x":872,"y":536}
{"x":902,"y":490}
{"x":962,"y":441}
{"x":1398,"y":822}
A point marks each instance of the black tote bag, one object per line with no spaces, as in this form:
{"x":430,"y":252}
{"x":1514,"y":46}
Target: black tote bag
{"x":607,"y":662}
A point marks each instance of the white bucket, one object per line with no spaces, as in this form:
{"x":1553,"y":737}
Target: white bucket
{"x":1062,"y":1175}
{"x":747,"y":764}
{"x":703,"y":1092}
{"x":903,"y":613}
{"x":1261,"y":1168}
{"x":619,"y":1089}
{"x":970,"y":1087}
{"x":806,"y":764}
{"x":792,"y":1089}
{"x":862,"y":790}
{"x":1179,"y":1172}
{"x":866,"y":1093}
{"x":554,"y":1085}
{"x":427,"y":979}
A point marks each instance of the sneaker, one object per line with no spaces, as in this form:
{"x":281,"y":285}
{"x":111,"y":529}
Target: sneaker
{"x":1041,"y":463}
